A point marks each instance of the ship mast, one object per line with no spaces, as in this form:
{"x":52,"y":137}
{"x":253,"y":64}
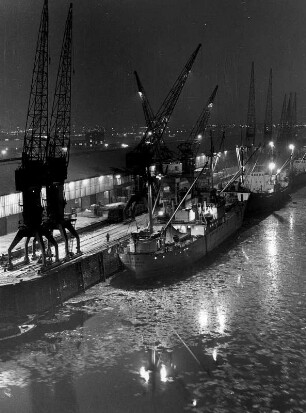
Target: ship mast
{"x":251,"y":118}
{"x":268,"y":115}
{"x":150,"y":209}
{"x":211,"y":158}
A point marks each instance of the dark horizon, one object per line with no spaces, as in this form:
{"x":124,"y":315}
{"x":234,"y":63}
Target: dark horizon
{"x":112,"y":39}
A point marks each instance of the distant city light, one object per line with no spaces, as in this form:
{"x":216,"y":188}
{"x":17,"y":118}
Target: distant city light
{"x":3,"y":152}
{"x":117,"y":176}
{"x":291,"y":147}
{"x":271,"y":144}
{"x":124,"y":145}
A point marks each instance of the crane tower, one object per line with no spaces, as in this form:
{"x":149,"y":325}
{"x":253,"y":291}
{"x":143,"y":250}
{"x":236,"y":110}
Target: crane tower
{"x":31,"y":175}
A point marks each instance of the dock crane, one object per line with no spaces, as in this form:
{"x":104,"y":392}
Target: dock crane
{"x":282,"y":122}
{"x":151,"y":149}
{"x":58,"y":143}
{"x":189,"y":149}
{"x":286,"y":133}
{"x":30,"y":177}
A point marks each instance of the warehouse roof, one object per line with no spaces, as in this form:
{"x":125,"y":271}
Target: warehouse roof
{"x":81,"y":165}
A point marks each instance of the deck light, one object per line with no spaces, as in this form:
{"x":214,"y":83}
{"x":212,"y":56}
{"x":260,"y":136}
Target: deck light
{"x":163,"y":373}
{"x":271,"y":166}
{"x":144,"y":374}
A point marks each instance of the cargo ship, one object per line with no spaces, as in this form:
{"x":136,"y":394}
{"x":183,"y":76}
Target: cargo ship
{"x":189,"y":235}
{"x":298,"y":173}
{"x":269,"y":191}
{"x":269,"y":187}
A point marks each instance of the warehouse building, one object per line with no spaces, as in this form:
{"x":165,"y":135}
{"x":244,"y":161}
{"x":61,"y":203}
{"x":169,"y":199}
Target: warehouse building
{"x":93,"y":178}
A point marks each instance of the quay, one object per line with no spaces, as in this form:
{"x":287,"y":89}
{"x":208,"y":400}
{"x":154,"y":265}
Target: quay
{"x":27,"y":290}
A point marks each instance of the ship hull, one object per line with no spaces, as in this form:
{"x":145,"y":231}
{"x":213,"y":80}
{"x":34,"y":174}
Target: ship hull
{"x":267,"y":202}
{"x":148,"y":265}
{"x":298,"y":181}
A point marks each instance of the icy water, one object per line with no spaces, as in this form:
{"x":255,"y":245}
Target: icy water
{"x":228,"y":335}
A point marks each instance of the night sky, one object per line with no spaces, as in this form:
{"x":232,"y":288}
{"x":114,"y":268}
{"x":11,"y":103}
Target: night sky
{"x":112,"y":38}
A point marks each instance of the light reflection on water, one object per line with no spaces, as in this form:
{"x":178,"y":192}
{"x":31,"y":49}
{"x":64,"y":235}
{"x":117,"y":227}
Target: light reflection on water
{"x":227,"y":336}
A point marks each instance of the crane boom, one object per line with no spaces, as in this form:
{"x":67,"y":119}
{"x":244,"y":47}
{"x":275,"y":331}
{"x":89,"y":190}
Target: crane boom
{"x":189,"y":148}
{"x":58,"y":146}
{"x":147,"y":109}
{"x":282,"y":123}
{"x":151,"y":148}
{"x":163,"y":115}
{"x":36,"y":130}
{"x":288,"y":126}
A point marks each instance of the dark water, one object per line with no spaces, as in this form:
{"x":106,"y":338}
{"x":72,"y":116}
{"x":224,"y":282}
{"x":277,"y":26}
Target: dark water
{"x":228,"y":335}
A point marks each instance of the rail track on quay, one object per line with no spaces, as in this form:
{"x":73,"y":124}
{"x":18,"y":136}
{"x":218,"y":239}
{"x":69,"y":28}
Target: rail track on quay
{"x":92,"y":241}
